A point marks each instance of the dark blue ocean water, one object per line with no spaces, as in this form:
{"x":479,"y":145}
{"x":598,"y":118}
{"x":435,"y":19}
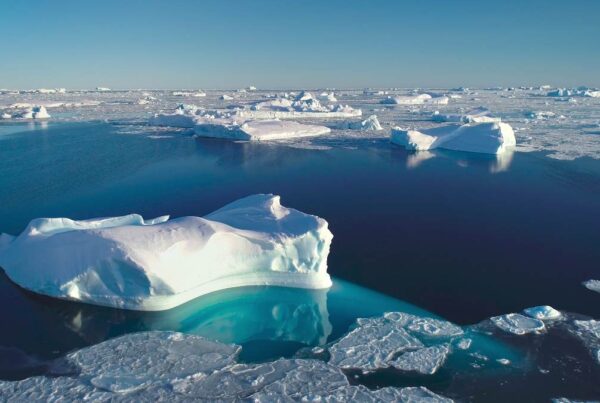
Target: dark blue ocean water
{"x":448,"y":234}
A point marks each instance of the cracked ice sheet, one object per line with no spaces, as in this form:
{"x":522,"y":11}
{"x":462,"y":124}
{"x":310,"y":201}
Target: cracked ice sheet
{"x":376,"y":343}
{"x":168,"y":366}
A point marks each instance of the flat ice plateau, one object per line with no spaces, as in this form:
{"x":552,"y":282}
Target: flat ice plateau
{"x":563,"y":126}
{"x":131,"y":263}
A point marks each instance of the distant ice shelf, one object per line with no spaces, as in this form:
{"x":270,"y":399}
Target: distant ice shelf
{"x":488,"y":138}
{"x":131,"y":263}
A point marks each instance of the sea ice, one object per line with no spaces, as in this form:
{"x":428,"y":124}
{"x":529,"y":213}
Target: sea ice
{"x":425,"y":361}
{"x":328,"y":96}
{"x":518,"y":324}
{"x":196,"y":94}
{"x":477,"y":115}
{"x":131,"y":263}
{"x":593,"y":285}
{"x":168,"y":366}
{"x":544,"y":312}
{"x":103,"y":89}
{"x":489,"y":138}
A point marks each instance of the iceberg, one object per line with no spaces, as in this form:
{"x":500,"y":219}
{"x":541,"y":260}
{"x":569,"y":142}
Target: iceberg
{"x":150,"y":265}
{"x":302,"y":105}
{"x":31,"y":112}
{"x":488,"y":138}
{"x":370,"y":123}
{"x":197,"y":94}
{"x":103,"y":89}
{"x":419,"y":99}
{"x":544,"y":312}
{"x":328,"y":96}
{"x":234,"y":126}
{"x":226,"y":97}
{"x":477,"y":115}
{"x":592,"y":285}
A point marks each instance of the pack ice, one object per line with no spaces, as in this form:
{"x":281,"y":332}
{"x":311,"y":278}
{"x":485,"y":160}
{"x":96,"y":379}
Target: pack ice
{"x":131,"y":263}
{"x":235,"y":126}
{"x":487,"y":137}
{"x":419,"y":99}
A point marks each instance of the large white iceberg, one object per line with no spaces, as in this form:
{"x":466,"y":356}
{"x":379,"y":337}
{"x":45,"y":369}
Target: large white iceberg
{"x":235,"y":126}
{"x":131,"y":263}
{"x":488,"y":138}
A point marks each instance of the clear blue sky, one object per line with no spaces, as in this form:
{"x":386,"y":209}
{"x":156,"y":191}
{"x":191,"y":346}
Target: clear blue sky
{"x":299,"y":43}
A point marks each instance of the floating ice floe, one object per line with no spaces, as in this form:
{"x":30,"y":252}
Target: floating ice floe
{"x":592,"y":285}
{"x":131,"y":263}
{"x":488,"y":138}
{"x":477,"y":115}
{"x":419,"y":99}
{"x":303,"y":105}
{"x":518,"y":324}
{"x":196,"y":94}
{"x":175,"y":367}
{"x":540,"y":115}
{"x":394,"y":340}
{"x":370,"y":123}
{"x":543,"y":312}
{"x":35,"y":112}
{"x":232,"y":125}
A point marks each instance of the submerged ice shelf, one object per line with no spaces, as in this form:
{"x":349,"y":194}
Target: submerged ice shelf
{"x":132,"y":263}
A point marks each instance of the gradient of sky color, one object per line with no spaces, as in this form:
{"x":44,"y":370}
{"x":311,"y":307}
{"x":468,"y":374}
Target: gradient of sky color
{"x":310,"y":43}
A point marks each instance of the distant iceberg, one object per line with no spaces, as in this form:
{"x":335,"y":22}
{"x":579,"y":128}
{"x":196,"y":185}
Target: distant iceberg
{"x":419,"y":99}
{"x":131,"y":263}
{"x":488,"y":138}
{"x":477,"y":115}
{"x":196,"y":94}
{"x":370,"y":123}
{"x":103,"y":89}
{"x":232,"y":125}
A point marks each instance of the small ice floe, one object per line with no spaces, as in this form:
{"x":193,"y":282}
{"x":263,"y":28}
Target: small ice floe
{"x":33,"y":112}
{"x":488,"y":138}
{"x":370,"y":123}
{"x":543,"y":312}
{"x":196,"y":94}
{"x":518,"y":324}
{"x":477,"y":115}
{"x":540,"y":115}
{"x":154,"y":366}
{"x":328,"y":96}
{"x":382,"y":342}
{"x":592,"y":285}
{"x":131,"y":263}
{"x":419,"y":99}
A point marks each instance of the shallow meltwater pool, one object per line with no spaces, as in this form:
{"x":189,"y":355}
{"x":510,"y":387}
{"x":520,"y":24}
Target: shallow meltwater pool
{"x":446,"y":236}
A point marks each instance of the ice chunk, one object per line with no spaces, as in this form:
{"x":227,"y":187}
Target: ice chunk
{"x":424,"y":361}
{"x":544,"y":312}
{"x":540,"y":115}
{"x":518,"y":324}
{"x":371,"y":123}
{"x":126,"y":262}
{"x":477,"y":115}
{"x":328,"y":96}
{"x":415,"y":100}
{"x":103,"y":89}
{"x":376,"y":342}
{"x":30,"y":112}
{"x":561,"y":92}
{"x":489,"y":138}
{"x":225,"y":97}
{"x":593,"y":285}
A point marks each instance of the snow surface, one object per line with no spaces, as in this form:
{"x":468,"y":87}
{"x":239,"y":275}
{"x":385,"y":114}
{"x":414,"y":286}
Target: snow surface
{"x":174,"y":367}
{"x":131,"y":263}
{"x":489,"y":138}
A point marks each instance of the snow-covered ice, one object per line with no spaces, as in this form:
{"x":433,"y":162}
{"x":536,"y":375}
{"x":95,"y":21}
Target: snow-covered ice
{"x":489,"y":138}
{"x":419,"y":99}
{"x":370,"y":123}
{"x":518,"y":324}
{"x":132,"y":263}
{"x":477,"y":115}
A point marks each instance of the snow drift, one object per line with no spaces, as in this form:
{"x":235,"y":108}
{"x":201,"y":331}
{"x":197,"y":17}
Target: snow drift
{"x":131,"y":263}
